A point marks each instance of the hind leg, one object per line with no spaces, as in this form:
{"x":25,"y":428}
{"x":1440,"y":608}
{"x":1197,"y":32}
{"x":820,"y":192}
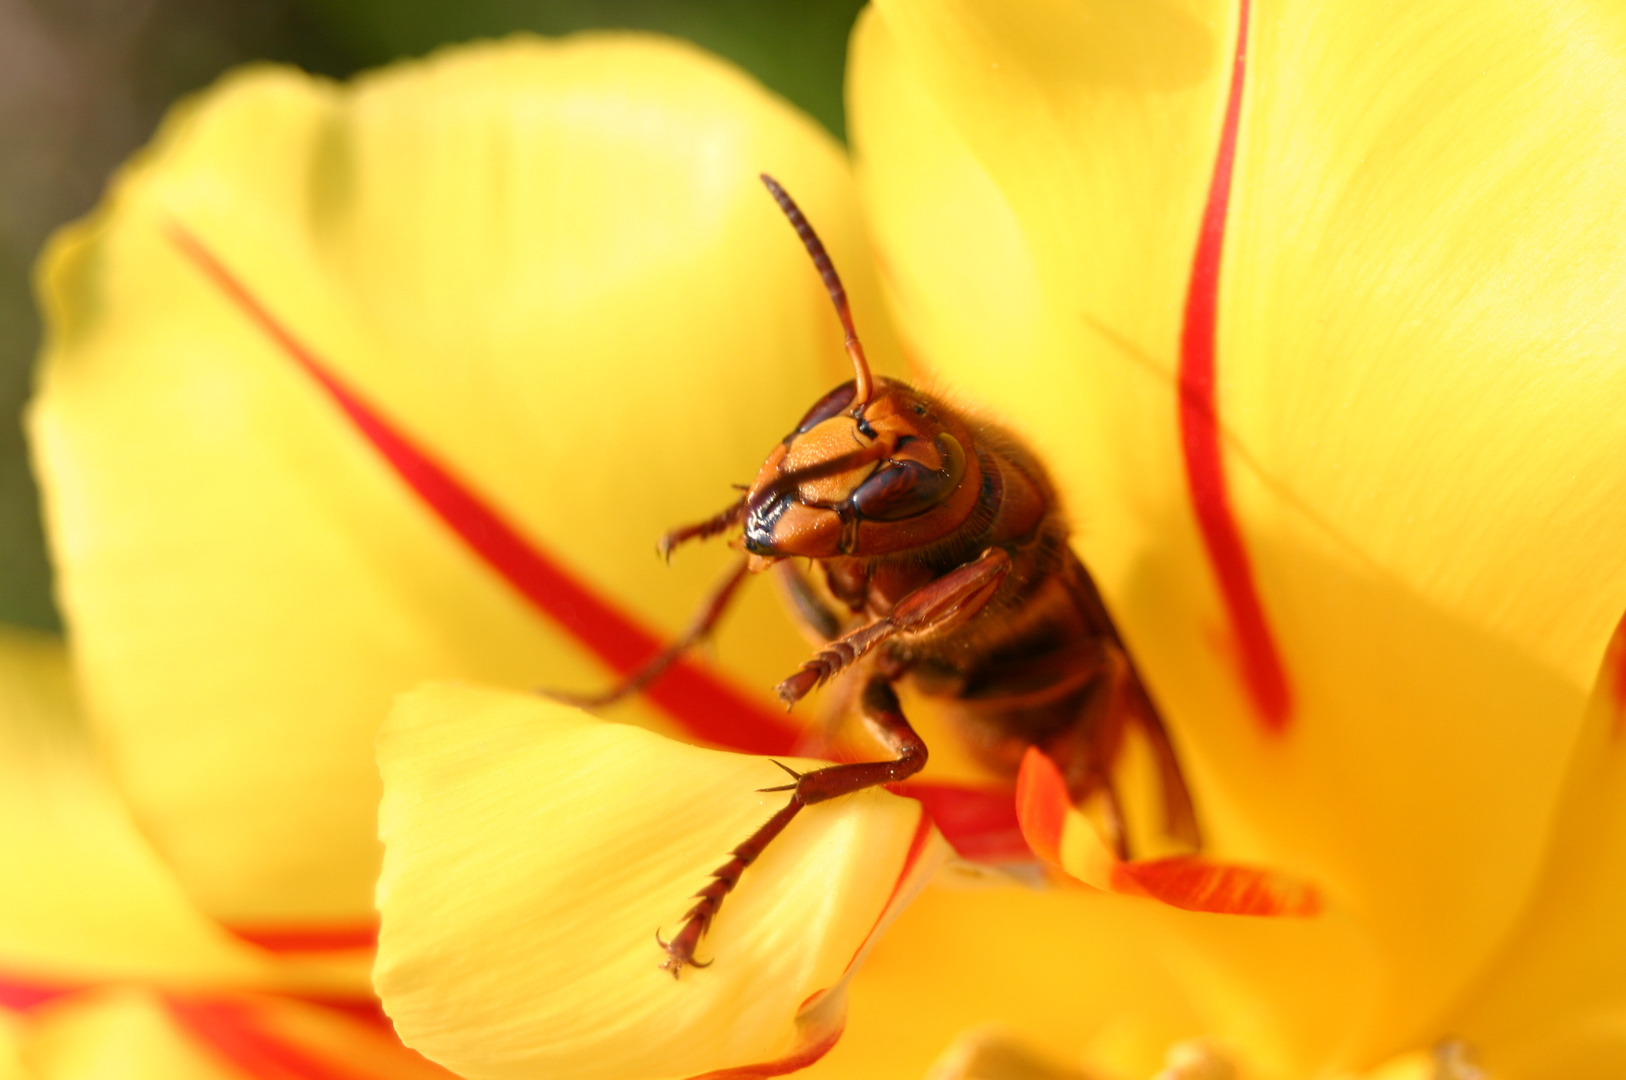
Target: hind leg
{"x":885,"y":718}
{"x":1088,"y":751}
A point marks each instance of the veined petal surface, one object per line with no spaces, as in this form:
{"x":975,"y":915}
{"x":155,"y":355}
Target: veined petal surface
{"x":532,"y":854}
{"x":546,"y":266}
{"x":1417,"y":413}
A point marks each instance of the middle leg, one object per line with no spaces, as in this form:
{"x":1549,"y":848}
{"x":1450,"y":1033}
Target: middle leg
{"x":883,"y":715}
{"x":941,"y":603}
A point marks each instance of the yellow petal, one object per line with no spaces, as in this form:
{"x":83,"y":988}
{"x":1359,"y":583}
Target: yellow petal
{"x":1554,"y":1003}
{"x":1412,"y":1066}
{"x":124,"y":1034}
{"x":1099,"y":128}
{"x":131,"y":1034}
{"x":548,"y":267}
{"x":1067,"y":839}
{"x":1063,"y":971}
{"x":11,"y":1064}
{"x":1590,"y":1046}
{"x":532,"y":854}
{"x":258,"y":1034}
{"x":991,"y":1054}
{"x":85,"y":896}
{"x":1414,"y":289}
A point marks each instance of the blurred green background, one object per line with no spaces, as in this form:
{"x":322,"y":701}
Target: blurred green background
{"x":83,"y":83}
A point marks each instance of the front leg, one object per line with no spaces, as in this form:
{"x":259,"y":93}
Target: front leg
{"x":635,"y":681}
{"x":954,"y":597}
{"x":885,"y":718}
{"x":702,"y":530}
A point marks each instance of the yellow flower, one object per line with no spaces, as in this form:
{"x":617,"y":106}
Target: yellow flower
{"x":262,"y":398}
{"x":1315,"y":310}
{"x":1308,"y":309}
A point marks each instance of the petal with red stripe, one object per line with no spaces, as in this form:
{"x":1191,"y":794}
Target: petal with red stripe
{"x":1382,"y":446}
{"x":351,"y":387}
{"x":1066,"y":838}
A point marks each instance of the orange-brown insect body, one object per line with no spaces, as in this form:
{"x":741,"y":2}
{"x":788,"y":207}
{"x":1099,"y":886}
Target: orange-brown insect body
{"x":938,"y":554}
{"x":1024,"y":658}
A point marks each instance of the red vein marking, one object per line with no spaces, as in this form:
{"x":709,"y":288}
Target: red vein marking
{"x":1615,"y":671}
{"x":1262,"y":669}
{"x":1042,"y":803}
{"x":1182,"y":881}
{"x":798,"y":1060}
{"x":979,"y":823}
{"x":330,"y":937}
{"x":1196,"y":884}
{"x":703,"y":703}
{"x":917,"y":848}
{"x":1619,"y":651}
{"x":19,"y":993}
{"x":911,"y":858}
{"x":368,"y":1010}
{"x":230,"y":1029}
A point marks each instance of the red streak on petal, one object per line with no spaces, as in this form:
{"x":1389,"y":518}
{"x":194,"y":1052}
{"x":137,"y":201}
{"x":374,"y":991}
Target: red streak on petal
{"x":1620,"y":676}
{"x":917,"y":847}
{"x":706,"y":706}
{"x":800,"y":1059}
{"x":1041,"y":804}
{"x":310,"y":939}
{"x":230,"y":1029}
{"x":1615,"y":658}
{"x":1262,"y":669}
{"x":1195,"y":884}
{"x":979,"y":823}
{"x":363,"y":1010}
{"x":19,"y":993}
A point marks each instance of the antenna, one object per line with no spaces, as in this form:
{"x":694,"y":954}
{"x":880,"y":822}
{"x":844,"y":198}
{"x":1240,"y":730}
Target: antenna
{"x":832,"y":284}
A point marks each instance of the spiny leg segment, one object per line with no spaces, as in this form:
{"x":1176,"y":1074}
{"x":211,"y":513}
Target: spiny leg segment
{"x":885,"y":718}
{"x":705,"y":621}
{"x":715,"y":525}
{"x":955,"y":595}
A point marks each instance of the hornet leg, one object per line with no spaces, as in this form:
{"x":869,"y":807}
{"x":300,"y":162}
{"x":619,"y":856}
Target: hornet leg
{"x":717,"y":523}
{"x":885,"y":718}
{"x":955,"y":596}
{"x":705,"y":621}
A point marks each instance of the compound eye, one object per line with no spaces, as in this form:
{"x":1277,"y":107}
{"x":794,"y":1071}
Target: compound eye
{"x":902,"y":489}
{"x":827,"y":406}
